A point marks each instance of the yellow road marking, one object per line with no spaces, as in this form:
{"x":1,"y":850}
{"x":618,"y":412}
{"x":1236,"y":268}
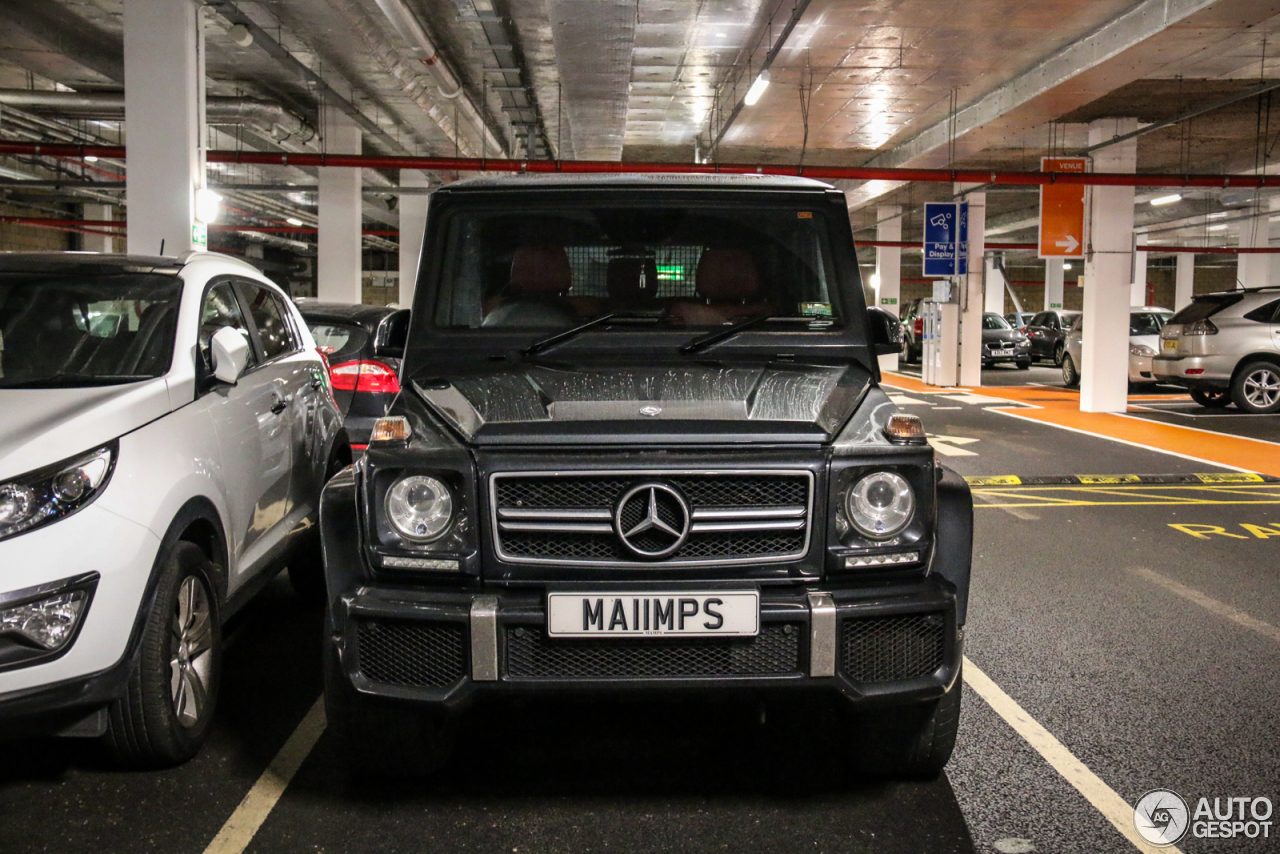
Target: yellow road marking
{"x":240,"y":828}
{"x":1222,"y":609}
{"x":1103,"y":798}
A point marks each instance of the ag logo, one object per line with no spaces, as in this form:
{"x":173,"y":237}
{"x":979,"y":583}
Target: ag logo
{"x":1160,"y":817}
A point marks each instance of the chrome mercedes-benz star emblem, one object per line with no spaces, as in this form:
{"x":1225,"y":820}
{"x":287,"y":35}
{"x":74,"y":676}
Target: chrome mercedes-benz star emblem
{"x":651,"y":411}
{"x":652,"y":520}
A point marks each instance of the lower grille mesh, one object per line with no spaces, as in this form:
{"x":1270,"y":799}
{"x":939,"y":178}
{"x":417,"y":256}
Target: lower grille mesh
{"x":426,"y":655}
{"x":882,"y":649}
{"x":774,"y":652}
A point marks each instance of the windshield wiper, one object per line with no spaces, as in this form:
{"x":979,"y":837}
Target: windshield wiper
{"x":60,"y":380}
{"x":560,"y":337}
{"x":697,"y":345}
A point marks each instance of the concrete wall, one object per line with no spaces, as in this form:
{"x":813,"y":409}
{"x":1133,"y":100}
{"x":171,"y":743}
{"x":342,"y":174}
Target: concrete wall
{"x":26,"y":238}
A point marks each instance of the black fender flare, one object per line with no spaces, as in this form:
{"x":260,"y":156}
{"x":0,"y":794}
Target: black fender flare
{"x":953,"y":554}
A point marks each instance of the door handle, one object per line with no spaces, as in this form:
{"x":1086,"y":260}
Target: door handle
{"x":280,"y":404}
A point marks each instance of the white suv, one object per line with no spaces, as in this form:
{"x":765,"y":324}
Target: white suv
{"x":166,"y":426}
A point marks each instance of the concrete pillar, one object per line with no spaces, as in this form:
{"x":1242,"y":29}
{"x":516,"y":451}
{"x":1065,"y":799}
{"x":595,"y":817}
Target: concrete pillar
{"x":993,"y":287}
{"x":164,"y":121}
{"x":1138,"y":287}
{"x":1104,"y":376}
{"x":98,"y":242}
{"x":1053,"y":279}
{"x":413,"y":224}
{"x":971,"y":292}
{"x":1184,"y":280}
{"x":889,"y":269}
{"x":341,"y":205}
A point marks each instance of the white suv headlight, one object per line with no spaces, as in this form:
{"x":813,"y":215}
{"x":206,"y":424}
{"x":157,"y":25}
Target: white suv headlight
{"x":419,"y":507}
{"x":54,"y":492}
{"x":881,"y":504}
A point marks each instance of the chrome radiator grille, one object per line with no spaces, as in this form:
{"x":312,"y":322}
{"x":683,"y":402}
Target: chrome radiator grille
{"x":651,"y":517}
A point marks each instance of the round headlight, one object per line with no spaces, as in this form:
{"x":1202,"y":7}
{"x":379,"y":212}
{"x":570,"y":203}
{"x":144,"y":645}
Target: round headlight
{"x":17,"y":502}
{"x":881,"y":504}
{"x":420,"y":508}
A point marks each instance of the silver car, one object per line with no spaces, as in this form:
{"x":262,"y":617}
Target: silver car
{"x":1225,"y":348}
{"x":1145,"y":323}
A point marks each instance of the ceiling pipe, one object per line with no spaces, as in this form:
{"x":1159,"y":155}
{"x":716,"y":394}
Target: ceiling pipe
{"x":610,"y":167}
{"x":110,"y":106}
{"x":447,"y":83}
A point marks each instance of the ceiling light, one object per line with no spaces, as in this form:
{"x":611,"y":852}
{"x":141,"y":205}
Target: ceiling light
{"x":721,"y":35}
{"x":757,"y":89}
{"x":90,"y":158}
{"x":1066,"y":266}
{"x":1167,"y":200}
{"x":293,"y":220}
{"x":1218,"y":215}
{"x":1217,"y":227}
{"x":875,"y":282}
{"x":208,"y":205}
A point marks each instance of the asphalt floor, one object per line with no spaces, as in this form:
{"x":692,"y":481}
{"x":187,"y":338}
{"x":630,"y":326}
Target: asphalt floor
{"x":1137,"y":623}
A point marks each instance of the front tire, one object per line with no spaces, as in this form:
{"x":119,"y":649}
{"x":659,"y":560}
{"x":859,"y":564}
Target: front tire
{"x":169,"y":699}
{"x":1256,"y":388}
{"x":913,"y":742}
{"x":1211,"y":399}
{"x":1070,"y":375}
{"x":1058,"y":352}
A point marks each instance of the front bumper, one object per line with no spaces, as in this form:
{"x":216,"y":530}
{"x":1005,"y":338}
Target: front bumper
{"x":871,"y":646}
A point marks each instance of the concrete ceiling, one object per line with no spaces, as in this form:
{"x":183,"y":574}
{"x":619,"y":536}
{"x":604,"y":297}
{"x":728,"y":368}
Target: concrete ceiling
{"x":653,"y":80}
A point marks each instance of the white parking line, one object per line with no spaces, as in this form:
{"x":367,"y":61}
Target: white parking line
{"x":239,"y":829}
{"x":1222,"y":609}
{"x":1103,"y":798}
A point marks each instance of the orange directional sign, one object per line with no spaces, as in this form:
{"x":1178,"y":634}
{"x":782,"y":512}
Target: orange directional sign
{"x":1062,"y":211}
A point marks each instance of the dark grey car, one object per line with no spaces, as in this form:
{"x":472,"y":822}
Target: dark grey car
{"x":1048,"y":334}
{"x":1002,"y":344}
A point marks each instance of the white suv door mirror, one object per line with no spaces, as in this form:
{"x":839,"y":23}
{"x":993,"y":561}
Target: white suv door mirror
{"x":230,"y":354}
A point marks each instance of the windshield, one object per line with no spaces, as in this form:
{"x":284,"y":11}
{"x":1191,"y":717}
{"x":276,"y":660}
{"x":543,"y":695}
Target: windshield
{"x":1148,"y":322}
{"x":59,"y":330}
{"x":994,"y":321}
{"x":695,"y":265}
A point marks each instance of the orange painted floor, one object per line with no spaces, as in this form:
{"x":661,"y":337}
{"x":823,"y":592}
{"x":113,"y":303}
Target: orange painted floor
{"x":1061,"y":407}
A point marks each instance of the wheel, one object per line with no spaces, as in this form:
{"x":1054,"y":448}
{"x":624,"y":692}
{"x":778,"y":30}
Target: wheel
{"x":908,"y":352}
{"x":167,"y":707}
{"x":1256,"y":388}
{"x":1211,"y":399}
{"x":1024,"y":365}
{"x":379,"y":739}
{"x":915,"y":741}
{"x":1070,"y":376}
{"x":1058,"y":352}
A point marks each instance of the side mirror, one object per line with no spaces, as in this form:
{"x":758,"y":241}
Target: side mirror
{"x":886,"y":332}
{"x":393,"y":335}
{"x":230,"y":354}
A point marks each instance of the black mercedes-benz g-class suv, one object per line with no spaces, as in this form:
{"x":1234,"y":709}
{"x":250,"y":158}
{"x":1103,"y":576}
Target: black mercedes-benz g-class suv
{"x":640,"y":446}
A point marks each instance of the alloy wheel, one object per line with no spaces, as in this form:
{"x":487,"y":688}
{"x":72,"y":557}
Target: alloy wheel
{"x":191,"y":662}
{"x":1262,"y":388}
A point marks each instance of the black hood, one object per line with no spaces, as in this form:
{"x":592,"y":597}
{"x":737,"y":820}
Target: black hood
{"x":659,"y":404}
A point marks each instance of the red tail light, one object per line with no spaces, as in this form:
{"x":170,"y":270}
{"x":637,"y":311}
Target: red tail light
{"x":919,"y":326}
{"x":367,"y":376}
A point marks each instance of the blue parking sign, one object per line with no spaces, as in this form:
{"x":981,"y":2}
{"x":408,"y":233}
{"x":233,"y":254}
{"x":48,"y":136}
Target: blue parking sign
{"x":946,"y":238}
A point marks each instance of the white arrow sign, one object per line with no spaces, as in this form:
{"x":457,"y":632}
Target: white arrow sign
{"x":1070,"y":243}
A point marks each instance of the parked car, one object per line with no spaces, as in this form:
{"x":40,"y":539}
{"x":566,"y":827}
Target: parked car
{"x":1225,"y":348}
{"x":1145,"y":323}
{"x":363,"y":367}
{"x":599,"y":479}
{"x":912,"y":331}
{"x":166,"y":426}
{"x":1020,"y":319}
{"x":1048,"y":334}
{"x":1001,"y":343}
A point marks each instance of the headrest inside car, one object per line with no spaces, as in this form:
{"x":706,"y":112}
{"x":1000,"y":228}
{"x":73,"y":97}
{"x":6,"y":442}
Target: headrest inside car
{"x":727,"y":275}
{"x":541,"y":271}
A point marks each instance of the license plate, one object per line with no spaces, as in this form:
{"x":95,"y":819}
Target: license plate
{"x":1002,"y":352}
{"x":1169,"y":344}
{"x":728,"y":613}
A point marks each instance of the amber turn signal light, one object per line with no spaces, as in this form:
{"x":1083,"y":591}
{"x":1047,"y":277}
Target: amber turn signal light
{"x":905,"y":430}
{"x":392,"y":429}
